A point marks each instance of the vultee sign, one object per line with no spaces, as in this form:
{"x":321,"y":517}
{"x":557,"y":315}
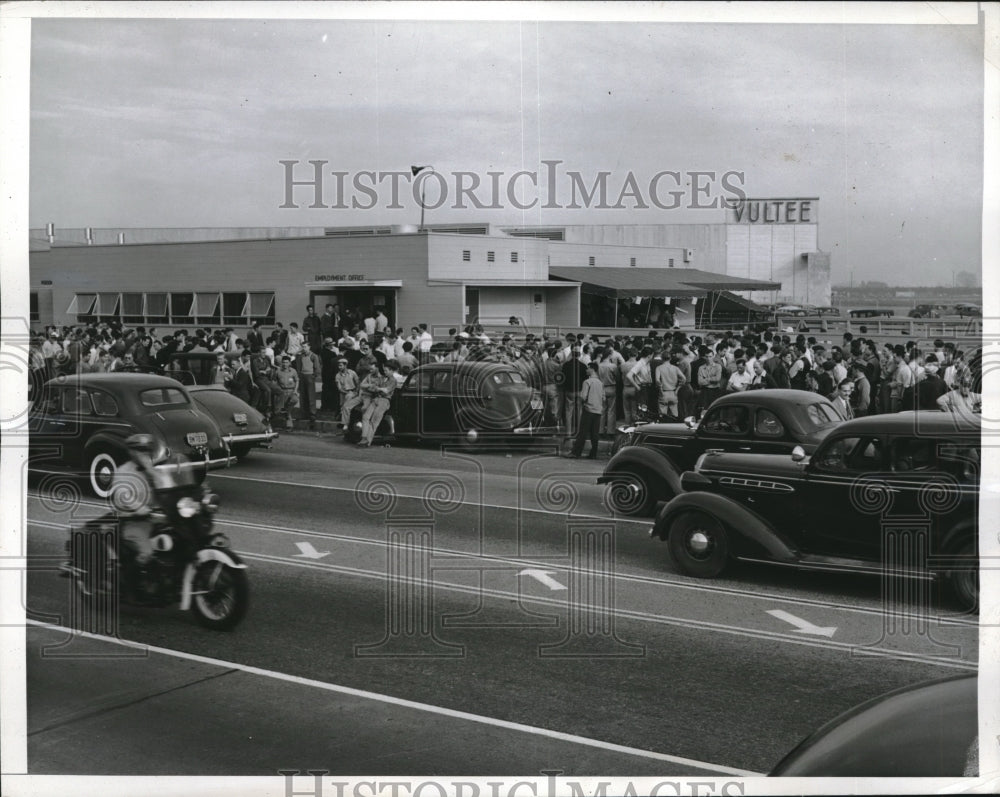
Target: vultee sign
{"x":772,"y":211}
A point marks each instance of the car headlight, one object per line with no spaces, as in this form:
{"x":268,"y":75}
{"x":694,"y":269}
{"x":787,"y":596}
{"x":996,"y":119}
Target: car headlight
{"x":187,"y":507}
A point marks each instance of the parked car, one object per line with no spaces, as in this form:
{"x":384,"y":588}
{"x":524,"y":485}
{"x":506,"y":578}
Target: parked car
{"x":924,"y":311}
{"x":648,"y":459}
{"x":835,"y":510}
{"x":80,"y":423}
{"x":792,"y":310}
{"x":242,"y":427}
{"x":971,"y":310}
{"x":827,"y":311}
{"x":922,"y":731}
{"x":467,"y":402}
{"x":870,"y":312}
{"x":195,"y":367}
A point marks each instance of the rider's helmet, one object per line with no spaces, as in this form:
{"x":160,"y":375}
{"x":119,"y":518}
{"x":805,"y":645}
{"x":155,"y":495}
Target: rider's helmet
{"x":141,"y":442}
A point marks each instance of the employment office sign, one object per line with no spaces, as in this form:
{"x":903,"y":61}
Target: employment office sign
{"x":773,"y":211}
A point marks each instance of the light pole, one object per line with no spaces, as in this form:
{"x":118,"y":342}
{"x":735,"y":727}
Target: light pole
{"x":415,"y":170}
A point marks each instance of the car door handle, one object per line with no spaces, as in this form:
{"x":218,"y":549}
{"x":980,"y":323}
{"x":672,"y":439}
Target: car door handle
{"x":744,"y":448}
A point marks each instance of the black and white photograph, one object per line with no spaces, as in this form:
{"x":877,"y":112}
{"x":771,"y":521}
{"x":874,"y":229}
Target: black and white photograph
{"x":500,"y":399}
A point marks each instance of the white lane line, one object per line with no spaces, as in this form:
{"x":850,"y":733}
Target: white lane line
{"x":397,"y":701}
{"x":335,"y":488}
{"x":522,"y":561}
{"x":681,"y":622}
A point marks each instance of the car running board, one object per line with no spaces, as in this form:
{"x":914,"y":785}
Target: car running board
{"x":843,"y":565}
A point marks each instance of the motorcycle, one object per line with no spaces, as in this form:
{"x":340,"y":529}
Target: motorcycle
{"x":191,"y":564}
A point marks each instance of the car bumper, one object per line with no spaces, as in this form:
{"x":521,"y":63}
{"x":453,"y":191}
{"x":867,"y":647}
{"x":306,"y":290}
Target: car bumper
{"x":259,"y":439}
{"x":213,"y":463}
{"x":537,"y":431}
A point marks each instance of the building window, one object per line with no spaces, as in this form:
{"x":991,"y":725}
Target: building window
{"x":206,"y":308}
{"x":262,"y":308}
{"x":670,"y":263}
{"x":33,"y":313}
{"x":631,"y":262}
{"x":490,"y":257}
{"x":466,"y":255}
{"x":107,"y":307}
{"x":156,"y":308}
{"x":182,"y":308}
{"x":513,"y":257}
{"x":133,"y":307}
{"x":591,"y":260}
{"x":234,"y":308}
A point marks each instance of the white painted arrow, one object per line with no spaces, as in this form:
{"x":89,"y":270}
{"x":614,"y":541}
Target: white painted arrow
{"x":308,"y":552}
{"x":543,"y":577}
{"x":803,"y":626}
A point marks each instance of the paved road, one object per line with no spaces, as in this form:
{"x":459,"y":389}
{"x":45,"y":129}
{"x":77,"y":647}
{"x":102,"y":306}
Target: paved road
{"x":523,"y":628}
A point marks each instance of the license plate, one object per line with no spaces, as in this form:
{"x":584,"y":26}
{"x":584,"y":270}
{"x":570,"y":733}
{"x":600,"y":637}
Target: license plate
{"x":536,"y":404}
{"x":197,"y":438}
{"x":239,"y":417}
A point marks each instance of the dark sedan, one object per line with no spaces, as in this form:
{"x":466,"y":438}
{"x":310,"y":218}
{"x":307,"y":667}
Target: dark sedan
{"x":242,"y":427}
{"x":888,"y":495}
{"x":80,"y":423}
{"x":649,"y":459}
{"x":469,"y":403}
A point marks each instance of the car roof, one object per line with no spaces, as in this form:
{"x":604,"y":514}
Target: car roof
{"x":109,"y":380}
{"x":772,"y":397}
{"x":921,"y":422}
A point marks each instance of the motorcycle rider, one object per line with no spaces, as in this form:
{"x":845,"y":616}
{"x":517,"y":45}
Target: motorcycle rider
{"x":133,"y":495}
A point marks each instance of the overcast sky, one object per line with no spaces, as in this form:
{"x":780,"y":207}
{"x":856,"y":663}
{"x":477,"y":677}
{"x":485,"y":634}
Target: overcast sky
{"x":141,"y":123}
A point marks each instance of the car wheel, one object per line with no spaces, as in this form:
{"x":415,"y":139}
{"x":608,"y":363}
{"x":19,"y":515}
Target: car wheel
{"x":103,"y":465}
{"x":964,"y":583}
{"x":698,"y":544}
{"x":635,"y":494}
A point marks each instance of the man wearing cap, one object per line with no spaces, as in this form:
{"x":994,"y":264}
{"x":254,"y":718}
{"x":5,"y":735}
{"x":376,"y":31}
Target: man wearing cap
{"x":348,"y":385}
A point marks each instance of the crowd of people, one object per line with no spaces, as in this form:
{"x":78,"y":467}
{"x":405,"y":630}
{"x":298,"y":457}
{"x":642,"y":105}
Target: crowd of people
{"x":669,"y":375}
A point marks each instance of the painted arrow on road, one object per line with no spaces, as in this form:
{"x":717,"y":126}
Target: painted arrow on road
{"x":543,"y":577}
{"x":803,"y":626}
{"x":308,"y":552}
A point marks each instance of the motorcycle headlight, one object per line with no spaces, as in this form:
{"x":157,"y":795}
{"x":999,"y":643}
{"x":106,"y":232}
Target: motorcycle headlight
{"x":211,"y":502}
{"x":187,"y":507}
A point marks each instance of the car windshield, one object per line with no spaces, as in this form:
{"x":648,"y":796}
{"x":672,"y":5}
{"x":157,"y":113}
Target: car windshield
{"x":163,"y":397}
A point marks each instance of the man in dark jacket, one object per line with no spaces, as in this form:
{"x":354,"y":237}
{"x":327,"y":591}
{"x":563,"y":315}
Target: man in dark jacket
{"x":574,"y":374}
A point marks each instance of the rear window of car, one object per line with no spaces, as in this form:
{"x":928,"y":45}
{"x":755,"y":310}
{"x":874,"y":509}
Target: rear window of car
{"x":506,"y":378}
{"x":104,"y":403}
{"x":820,"y":414}
{"x":163,"y":397}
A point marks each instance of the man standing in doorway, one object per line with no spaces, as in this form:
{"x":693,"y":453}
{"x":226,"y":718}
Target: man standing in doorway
{"x":311,"y":328}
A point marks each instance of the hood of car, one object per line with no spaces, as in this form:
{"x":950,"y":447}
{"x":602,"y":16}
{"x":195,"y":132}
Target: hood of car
{"x":772,"y":465}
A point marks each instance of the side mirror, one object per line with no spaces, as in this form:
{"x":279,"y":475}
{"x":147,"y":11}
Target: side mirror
{"x":798,"y":454}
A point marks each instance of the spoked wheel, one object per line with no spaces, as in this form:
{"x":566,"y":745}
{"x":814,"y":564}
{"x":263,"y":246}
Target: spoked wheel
{"x":698,"y":544}
{"x":219,"y":595}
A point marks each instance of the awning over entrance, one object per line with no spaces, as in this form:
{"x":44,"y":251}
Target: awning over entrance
{"x":681,"y":282}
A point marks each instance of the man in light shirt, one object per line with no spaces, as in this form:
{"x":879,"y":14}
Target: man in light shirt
{"x":962,"y":401}
{"x":592,"y":402}
{"x":741,"y":377}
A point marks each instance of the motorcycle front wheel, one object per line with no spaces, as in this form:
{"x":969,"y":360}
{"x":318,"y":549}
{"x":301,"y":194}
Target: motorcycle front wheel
{"x":219,"y":595}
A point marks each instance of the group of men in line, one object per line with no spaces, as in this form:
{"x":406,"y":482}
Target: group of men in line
{"x":589,"y":383}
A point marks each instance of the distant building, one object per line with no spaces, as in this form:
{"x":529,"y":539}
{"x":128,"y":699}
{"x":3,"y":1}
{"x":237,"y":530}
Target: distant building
{"x":445,"y":275}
